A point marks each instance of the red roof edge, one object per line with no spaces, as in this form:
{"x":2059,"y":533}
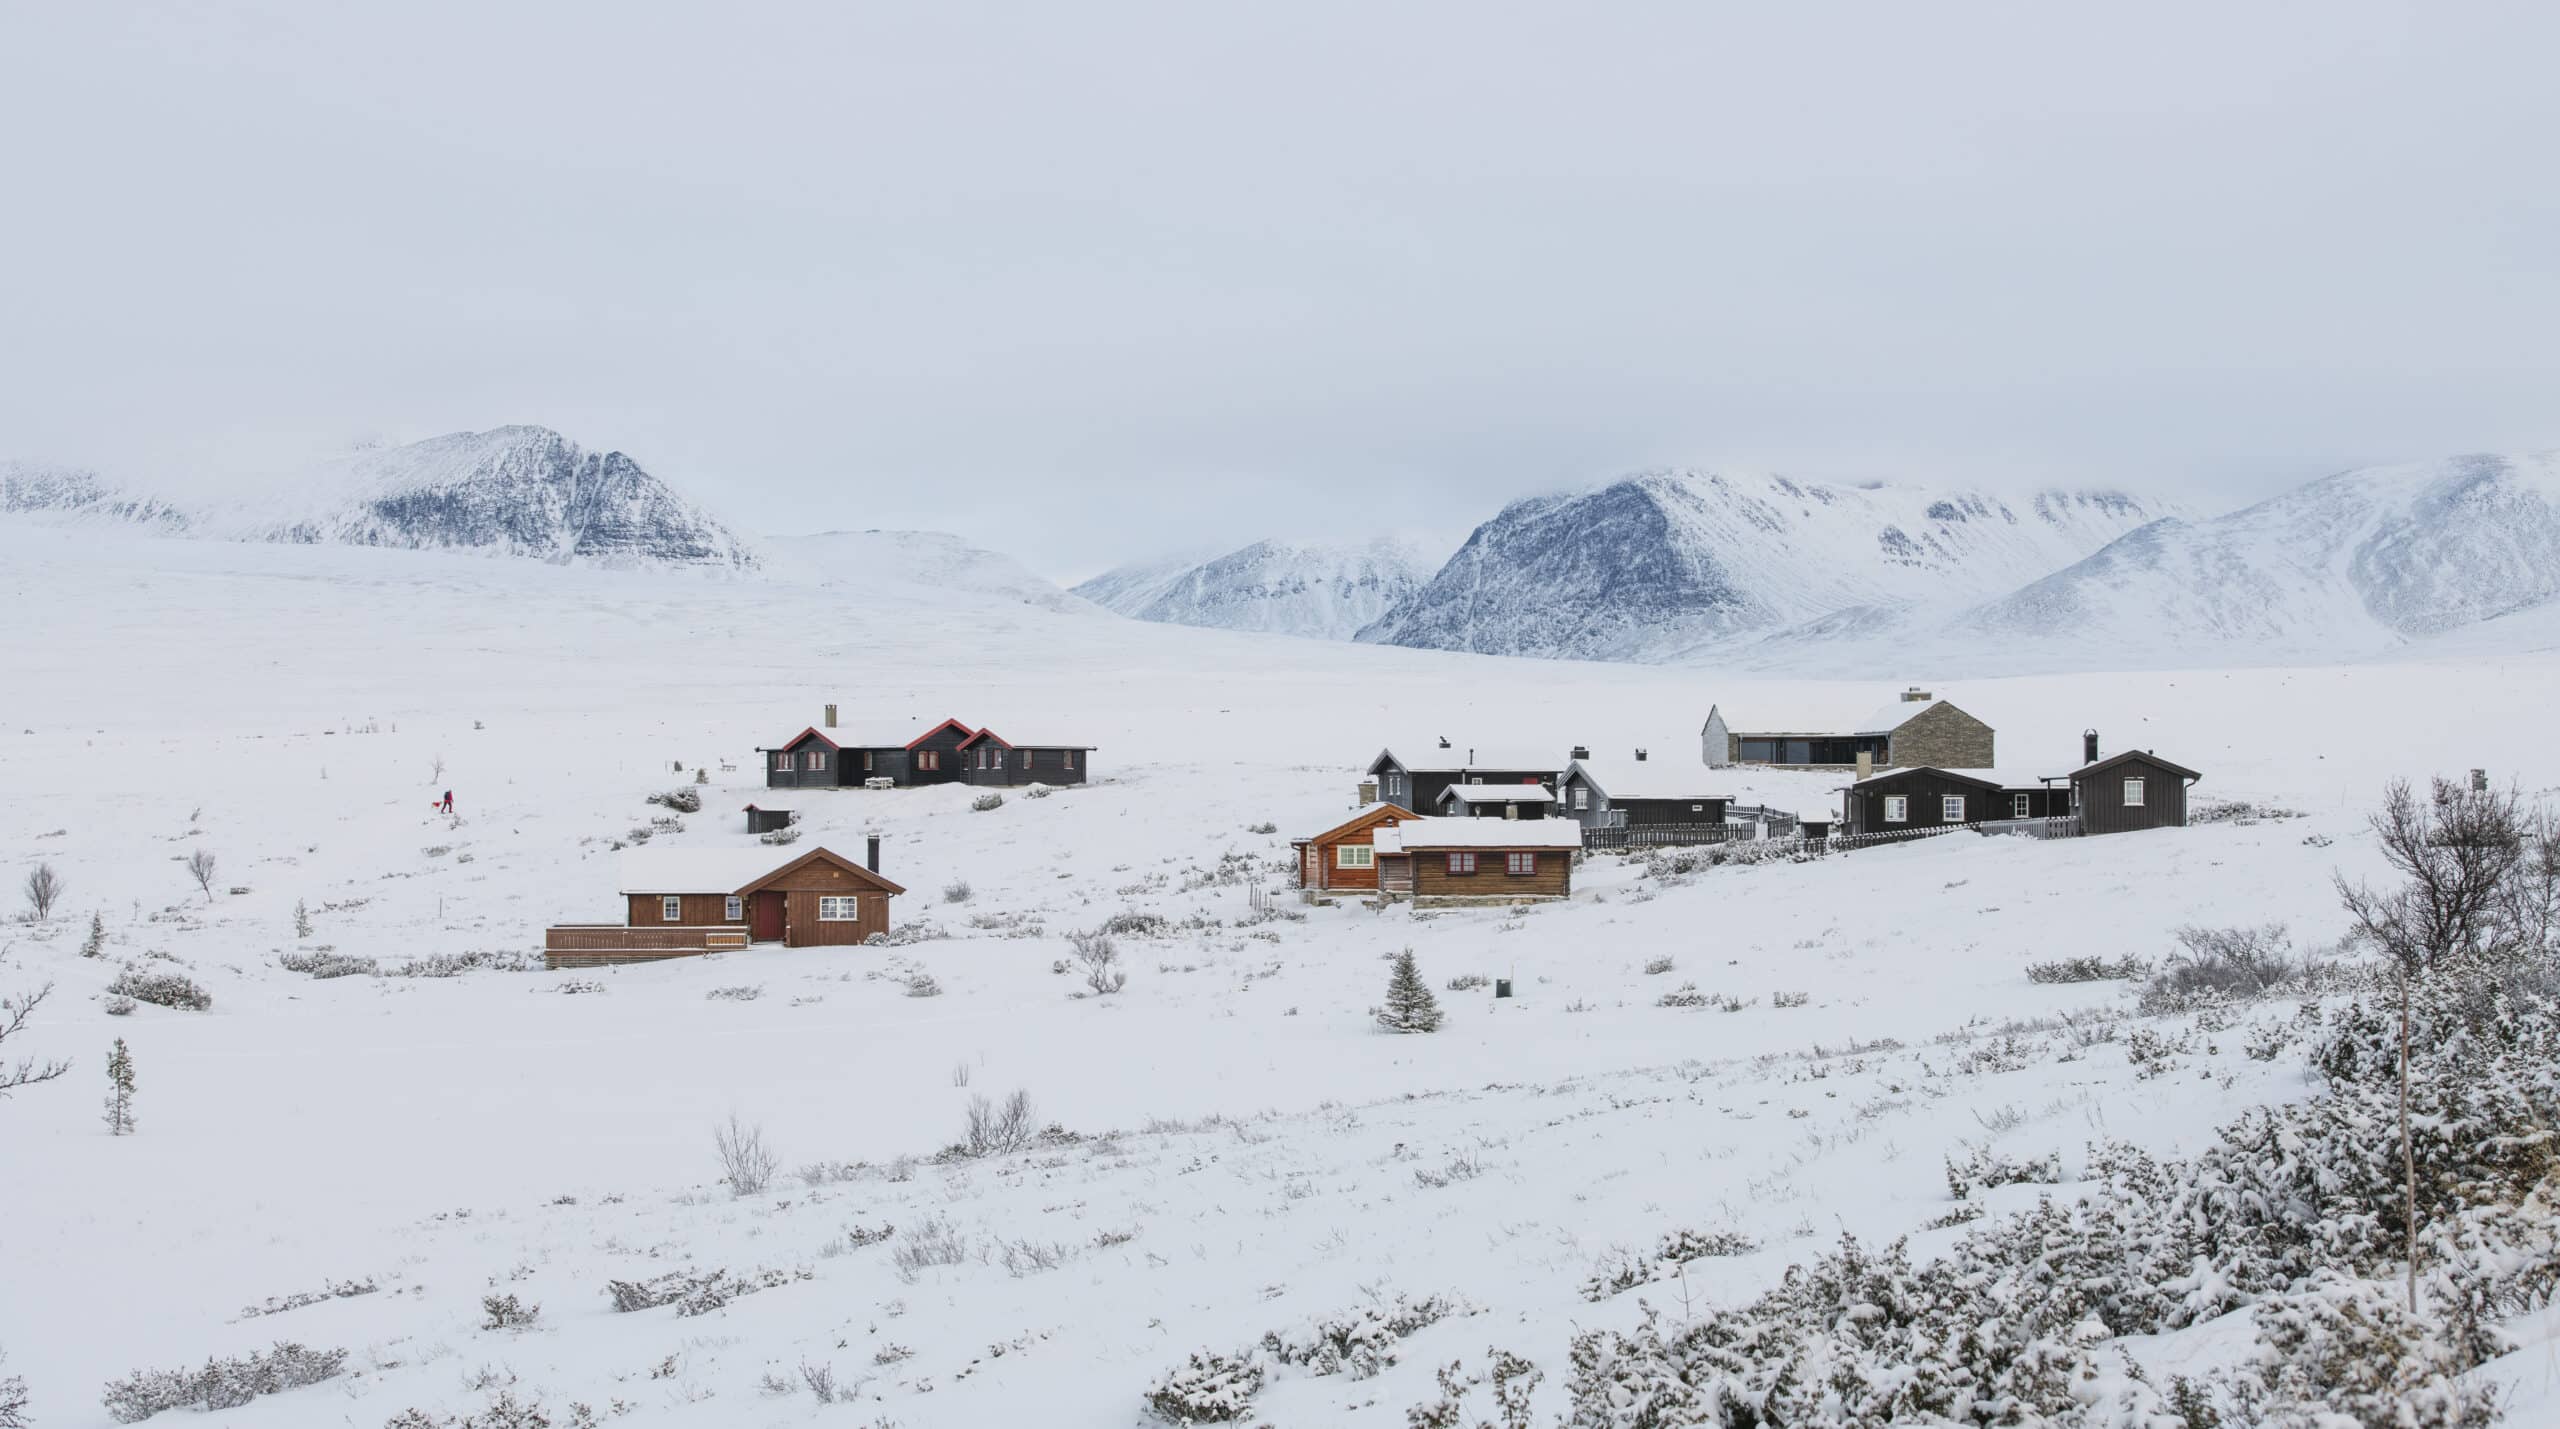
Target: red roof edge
{"x":986,"y":734}
{"x":937,"y":729}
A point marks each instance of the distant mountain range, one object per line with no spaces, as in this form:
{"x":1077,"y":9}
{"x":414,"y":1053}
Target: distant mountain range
{"x":1327,"y":592}
{"x":521,"y":491}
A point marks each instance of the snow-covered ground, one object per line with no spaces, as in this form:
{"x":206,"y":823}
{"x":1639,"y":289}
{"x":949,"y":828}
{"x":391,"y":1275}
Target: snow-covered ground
{"x":1247,"y":1151}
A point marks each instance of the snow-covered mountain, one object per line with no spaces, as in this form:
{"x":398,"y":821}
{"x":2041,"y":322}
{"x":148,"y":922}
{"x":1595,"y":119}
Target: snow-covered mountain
{"x":525,"y":491}
{"x":1278,"y":587}
{"x":2346,"y":565}
{"x":924,"y":560}
{"x":72,"y":494}
{"x":1663,"y":564}
{"x":522,"y":491}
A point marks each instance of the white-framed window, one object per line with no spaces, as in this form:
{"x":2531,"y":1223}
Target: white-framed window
{"x":2132,"y":793}
{"x":1355,"y":856}
{"x":1697,"y":808}
{"x":1462,"y":863}
{"x":1581,"y":796}
{"x":1897,"y":809}
{"x":733,"y":909}
{"x":671,"y":909}
{"x":1520,"y":865}
{"x":782,"y":761}
{"x":1951,"y":808}
{"x":1395,"y":786}
{"x":847,"y":909}
{"x":2018,"y":806}
{"x":817,"y":759}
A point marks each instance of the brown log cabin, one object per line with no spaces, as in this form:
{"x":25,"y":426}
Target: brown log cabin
{"x":1344,"y":858}
{"x":1460,"y":861}
{"x":686,"y":902}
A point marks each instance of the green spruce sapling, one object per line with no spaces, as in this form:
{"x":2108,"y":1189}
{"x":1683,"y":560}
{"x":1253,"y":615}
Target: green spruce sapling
{"x":120,"y":1090}
{"x":1410,"y":1005}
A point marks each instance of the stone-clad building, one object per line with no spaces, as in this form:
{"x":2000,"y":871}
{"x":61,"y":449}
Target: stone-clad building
{"x":1915,"y":730}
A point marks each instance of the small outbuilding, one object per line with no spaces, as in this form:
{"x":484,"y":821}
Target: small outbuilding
{"x":765,"y":821}
{"x":1623,"y":793}
{"x":1460,"y":861}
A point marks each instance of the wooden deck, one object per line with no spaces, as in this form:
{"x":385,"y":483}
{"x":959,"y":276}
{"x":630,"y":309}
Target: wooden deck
{"x":587,"y":945}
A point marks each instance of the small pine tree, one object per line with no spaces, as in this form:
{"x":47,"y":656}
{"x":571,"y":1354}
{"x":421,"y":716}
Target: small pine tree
{"x":1410,"y":1005}
{"x":95,"y":946}
{"x":120,"y":1091}
{"x":301,"y":919}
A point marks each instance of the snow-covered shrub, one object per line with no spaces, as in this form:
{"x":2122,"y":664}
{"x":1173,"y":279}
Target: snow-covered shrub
{"x":1265,"y":827}
{"x":1983,"y":1168}
{"x":2343,"y":1351}
{"x":95,"y":945}
{"x":925,"y":1245}
{"x":1467,"y":982}
{"x":710,"y":1292}
{"x":456,"y":964}
{"x":1790,"y":999}
{"x":2088,"y":968}
{"x":994,"y":1129}
{"x":1685,"y":995}
{"x":1130,"y":923}
{"x":161,"y":989}
{"x":222,"y":1383}
{"x":1208,"y":1388}
{"x":1660,"y":965}
{"x":957,"y":891}
{"x":631,"y":1295}
{"x":1410,"y":1007}
{"x":119,"y":1006}
{"x":1515,"y":1385}
{"x":2234,"y":964}
{"x":921,"y":984}
{"x":324,"y":963}
{"x":1103,"y":974}
{"x":986,"y":802}
{"x":13,"y":1402}
{"x":506,"y":1312}
{"x":684,"y":799}
{"x":780,"y":836}
{"x":1361,"y":1341}
{"x":1623,"y":1270}
{"x":1038,"y":791}
{"x":739,"y":992}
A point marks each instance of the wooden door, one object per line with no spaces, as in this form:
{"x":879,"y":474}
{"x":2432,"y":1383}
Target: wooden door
{"x":764,"y":917}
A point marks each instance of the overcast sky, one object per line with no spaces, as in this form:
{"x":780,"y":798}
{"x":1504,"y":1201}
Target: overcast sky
{"x":1087,"y":281}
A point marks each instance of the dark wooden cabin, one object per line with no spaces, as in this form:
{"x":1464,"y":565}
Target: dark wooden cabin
{"x":1915,"y":800}
{"x":829,"y":758}
{"x":2132,"y":791}
{"x":686,"y":902}
{"x":1415,"y":780}
{"x":988,"y":758}
{"x":765,"y":821}
{"x":1345,"y":857}
{"x":1638,"y":792}
{"x":1456,"y":861}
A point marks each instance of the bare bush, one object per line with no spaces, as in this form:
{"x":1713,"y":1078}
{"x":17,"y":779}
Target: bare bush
{"x":821,"y":1380}
{"x":992,"y":1130}
{"x":13,"y":1402}
{"x":957,"y":891}
{"x":2088,"y":968}
{"x":43,"y":889}
{"x":200,"y":866}
{"x":2235,"y":963}
{"x":506,"y":1312}
{"x":927,"y":1245}
{"x":1103,"y":974}
{"x":747,"y":1162}
{"x":25,"y":1071}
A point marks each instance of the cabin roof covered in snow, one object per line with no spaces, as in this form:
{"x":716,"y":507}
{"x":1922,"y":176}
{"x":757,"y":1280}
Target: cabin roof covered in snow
{"x":1646,"y":778}
{"x":1894,"y":716}
{"x":697,"y":870}
{"x":2004,"y":778}
{"x":1499,"y":794}
{"x":1415,"y":835}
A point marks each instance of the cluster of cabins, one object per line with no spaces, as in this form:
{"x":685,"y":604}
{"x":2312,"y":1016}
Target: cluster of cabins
{"x":1442,"y":822}
{"x":825,"y":757}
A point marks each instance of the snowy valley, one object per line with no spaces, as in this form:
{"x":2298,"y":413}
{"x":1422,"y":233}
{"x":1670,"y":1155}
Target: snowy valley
{"x":1707,"y":1074}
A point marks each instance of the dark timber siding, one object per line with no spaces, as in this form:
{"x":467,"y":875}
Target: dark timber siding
{"x":1670,"y":811}
{"x":1029,"y":764}
{"x":701,"y":910}
{"x":799,"y":775}
{"x":1863,"y":807}
{"x":2104,"y":811}
{"x":1432,"y":878}
{"x":944,"y":742}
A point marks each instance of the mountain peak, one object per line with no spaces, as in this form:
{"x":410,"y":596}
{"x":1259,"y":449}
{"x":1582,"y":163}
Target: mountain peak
{"x":1327,"y":591}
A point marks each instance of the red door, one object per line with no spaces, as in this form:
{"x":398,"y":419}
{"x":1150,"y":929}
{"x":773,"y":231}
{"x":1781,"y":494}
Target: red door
{"x":764,"y":917}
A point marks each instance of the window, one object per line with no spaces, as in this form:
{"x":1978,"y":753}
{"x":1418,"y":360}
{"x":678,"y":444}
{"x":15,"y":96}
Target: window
{"x":1071,"y":759}
{"x":1395,"y":786}
{"x":1355,"y":856}
{"x":928,"y":759}
{"x":839,"y":910}
{"x":1697,"y":808}
{"x":734,"y":909}
{"x":866,"y":761}
{"x":1582,"y":796}
{"x":2017,"y":806}
{"x":817,"y":759}
{"x":1520,"y":865}
{"x":1897,"y":809}
{"x":671,"y":909}
{"x":1462,"y":863}
{"x":2133,"y":793}
{"x":782,"y":761}
{"x":1951,"y":808}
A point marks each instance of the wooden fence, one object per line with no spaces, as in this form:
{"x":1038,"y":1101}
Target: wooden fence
{"x":1628,"y":836}
{"x":577,"y":945}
